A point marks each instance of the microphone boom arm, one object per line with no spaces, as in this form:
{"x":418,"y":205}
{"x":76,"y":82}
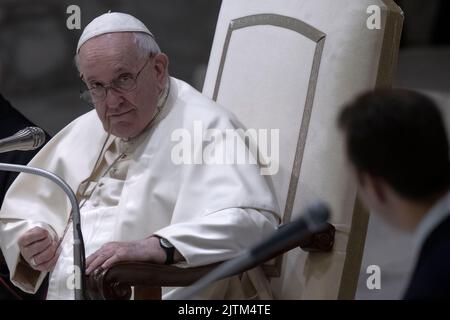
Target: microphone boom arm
{"x":313,"y":220}
{"x":78,"y":244}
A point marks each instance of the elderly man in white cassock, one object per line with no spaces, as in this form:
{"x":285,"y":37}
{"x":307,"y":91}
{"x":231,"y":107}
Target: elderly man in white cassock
{"x":136,"y":202}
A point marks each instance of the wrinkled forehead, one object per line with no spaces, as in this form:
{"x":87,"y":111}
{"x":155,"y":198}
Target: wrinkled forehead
{"x":104,"y":57}
{"x":118,"y":45}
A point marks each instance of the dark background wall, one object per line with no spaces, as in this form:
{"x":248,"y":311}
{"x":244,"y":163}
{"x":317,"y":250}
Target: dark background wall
{"x":36,"y":49}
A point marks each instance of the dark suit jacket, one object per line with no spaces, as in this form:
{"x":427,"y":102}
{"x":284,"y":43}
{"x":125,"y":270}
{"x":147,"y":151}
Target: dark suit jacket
{"x":431,"y":277}
{"x":12,"y":121}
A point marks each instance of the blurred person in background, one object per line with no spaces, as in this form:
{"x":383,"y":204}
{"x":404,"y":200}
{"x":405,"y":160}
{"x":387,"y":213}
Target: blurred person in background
{"x":397,"y":146}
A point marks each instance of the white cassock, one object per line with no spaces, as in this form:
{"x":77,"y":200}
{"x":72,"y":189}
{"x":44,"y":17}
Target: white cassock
{"x":209,"y":212}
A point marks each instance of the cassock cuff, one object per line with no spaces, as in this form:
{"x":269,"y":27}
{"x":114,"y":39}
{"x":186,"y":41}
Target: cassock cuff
{"x":219,"y":236}
{"x":22,"y":275}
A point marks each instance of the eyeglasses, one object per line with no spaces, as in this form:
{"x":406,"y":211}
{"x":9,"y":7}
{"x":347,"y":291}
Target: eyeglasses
{"x":122,"y":84}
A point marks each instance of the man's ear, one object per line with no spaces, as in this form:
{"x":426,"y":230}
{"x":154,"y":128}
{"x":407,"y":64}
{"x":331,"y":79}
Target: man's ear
{"x":373,"y":184}
{"x":161,"y":65}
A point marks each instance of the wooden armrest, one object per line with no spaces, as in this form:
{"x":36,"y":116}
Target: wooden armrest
{"x":115,"y":283}
{"x":322,"y":241}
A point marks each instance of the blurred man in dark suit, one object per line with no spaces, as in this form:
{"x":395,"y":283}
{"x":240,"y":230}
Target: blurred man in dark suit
{"x":397,"y":146}
{"x":11,"y":122}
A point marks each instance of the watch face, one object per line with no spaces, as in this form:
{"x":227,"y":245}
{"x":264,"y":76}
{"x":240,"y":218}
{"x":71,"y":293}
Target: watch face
{"x":165,"y":243}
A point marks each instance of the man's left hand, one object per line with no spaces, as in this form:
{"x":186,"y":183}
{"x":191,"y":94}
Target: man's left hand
{"x":110,"y":253}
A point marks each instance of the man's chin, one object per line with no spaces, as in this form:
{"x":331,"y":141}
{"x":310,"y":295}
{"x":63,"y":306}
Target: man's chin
{"x":123,"y":131}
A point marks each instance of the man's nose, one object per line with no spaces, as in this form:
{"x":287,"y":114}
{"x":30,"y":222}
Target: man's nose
{"x":113,"y":98}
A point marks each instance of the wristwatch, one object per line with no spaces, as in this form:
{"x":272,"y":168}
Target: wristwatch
{"x":168,"y":248}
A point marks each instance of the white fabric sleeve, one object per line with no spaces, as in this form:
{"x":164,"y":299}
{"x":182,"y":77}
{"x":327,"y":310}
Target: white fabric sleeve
{"x":220,"y":235}
{"x":21,"y":273}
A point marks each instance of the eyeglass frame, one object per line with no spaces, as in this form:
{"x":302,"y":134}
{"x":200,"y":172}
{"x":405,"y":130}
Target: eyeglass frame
{"x":86,"y":95}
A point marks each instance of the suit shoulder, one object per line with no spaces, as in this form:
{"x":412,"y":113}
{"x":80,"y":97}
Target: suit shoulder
{"x":431,"y":277}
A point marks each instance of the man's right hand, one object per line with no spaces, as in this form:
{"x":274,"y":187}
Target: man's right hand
{"x":38,"y":248}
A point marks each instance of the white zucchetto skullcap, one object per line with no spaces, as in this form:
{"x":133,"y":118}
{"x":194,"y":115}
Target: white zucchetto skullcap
{"x":112,"y":22}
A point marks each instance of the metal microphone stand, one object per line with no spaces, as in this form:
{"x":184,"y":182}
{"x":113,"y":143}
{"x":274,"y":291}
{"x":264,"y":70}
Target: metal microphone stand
{"x":78,"y":244}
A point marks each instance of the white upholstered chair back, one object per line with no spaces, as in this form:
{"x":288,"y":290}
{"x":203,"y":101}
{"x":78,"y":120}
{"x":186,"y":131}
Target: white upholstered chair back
{"x":290,"y":65}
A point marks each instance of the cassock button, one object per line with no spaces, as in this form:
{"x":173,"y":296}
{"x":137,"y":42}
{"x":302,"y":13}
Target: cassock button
{"x":95,"y":203}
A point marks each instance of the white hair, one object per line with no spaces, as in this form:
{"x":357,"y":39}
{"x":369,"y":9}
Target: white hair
{"x":145,"y":43}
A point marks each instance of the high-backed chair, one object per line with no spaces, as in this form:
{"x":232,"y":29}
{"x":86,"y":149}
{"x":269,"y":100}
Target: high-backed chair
{"x":289,"y":66}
